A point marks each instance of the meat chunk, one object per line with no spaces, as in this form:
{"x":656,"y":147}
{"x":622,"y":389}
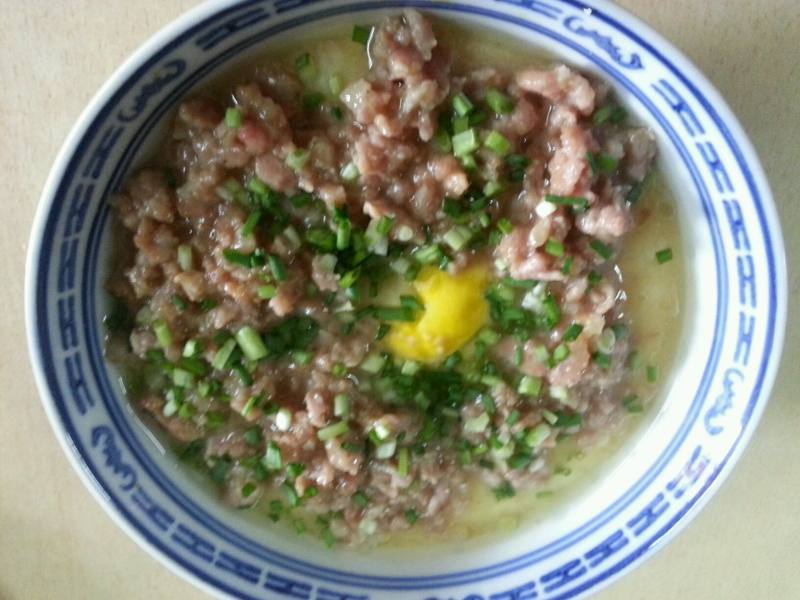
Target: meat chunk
{"x":560,"y":85}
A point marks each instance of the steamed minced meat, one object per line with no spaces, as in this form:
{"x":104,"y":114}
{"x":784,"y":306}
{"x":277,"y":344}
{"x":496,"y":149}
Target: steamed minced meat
{"x":350,"y":304}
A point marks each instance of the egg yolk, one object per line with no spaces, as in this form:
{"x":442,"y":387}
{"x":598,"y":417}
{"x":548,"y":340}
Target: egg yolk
{"x":455,"y":309}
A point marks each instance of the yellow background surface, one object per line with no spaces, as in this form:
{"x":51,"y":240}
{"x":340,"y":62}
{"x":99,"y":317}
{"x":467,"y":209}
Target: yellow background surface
{"x":56,"y":542}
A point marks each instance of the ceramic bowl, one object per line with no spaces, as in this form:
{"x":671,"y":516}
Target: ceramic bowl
{"x":732,"y":328}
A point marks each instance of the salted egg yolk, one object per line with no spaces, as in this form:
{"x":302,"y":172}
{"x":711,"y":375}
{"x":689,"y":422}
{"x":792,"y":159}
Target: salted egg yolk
{"x":455,"y":310}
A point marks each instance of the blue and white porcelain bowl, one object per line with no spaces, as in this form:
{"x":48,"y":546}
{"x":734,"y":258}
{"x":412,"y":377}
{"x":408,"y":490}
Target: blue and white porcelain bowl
{"x":734,"y":325}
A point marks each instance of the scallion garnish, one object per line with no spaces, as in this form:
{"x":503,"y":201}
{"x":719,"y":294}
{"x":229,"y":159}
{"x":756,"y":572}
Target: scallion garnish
{"x":465,"y":143}
{"x":277,"y":267}
{"x":272,"y":458}
{"x":499,"y":102}
{"x":349,"y":172}
{"x":223,"y":354}
{"x":251,"y":343}
{"x":333,"y":431}
{"x":251,"y":222}
{"x":576,"y":202}
{"x":602,"y":250}
{"x":572,"y":332}
{"x":233,"y":117}
{"x":162,"y":333}
{"x":457,"y":237}
{"x":554,"y":248}
{"x":297,"y":159}
{"x":441,"y":139}
{"x":530,"y":386}
{"x":497,"y":143}
{"x":462,"y":105}
{"x":411,"y":516}
{"x":361,"y":34}
{"x":266,"y":292}
{"x":392,"y":313}
{"x":602,"y":360}
{"x":185,"y":257}
{"x":403,"y":462}
{"x":664,"y":256}
{"x":609,"y":114}
{"x":652,"y":373}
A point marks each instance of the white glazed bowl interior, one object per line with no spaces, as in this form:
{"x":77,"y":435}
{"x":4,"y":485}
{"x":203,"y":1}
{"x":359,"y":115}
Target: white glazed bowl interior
{"x":733,"y":324}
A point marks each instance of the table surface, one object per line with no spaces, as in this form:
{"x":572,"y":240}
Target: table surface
{"x":744,"y":544}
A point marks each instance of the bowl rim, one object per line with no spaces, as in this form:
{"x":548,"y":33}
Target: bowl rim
{"x":622,"y":20}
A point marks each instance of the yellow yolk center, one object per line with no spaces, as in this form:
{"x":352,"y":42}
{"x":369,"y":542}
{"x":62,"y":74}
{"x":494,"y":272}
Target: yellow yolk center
{"x":455,"y":310}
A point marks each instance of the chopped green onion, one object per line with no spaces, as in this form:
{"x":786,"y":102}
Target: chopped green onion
{"x":291,"y":494}
{"x":335,"y":84}
{"x":530,"y":386}
{"x":602,"y":163}
{"x":187,"y":411}
{"x":251,"y":343}
{"x":441,"y":140}
{"x":602,"y":360}
{"x":602,"y":250}
{"x":223,"y":354}
{"x":477,"y":424}
{"x":663,"y":256}
{"x":336,"y":113}
{"x":301,"y":357}
{"x":411,"y":516}
{"x":348,"y":279}
{"x":462,"y":105}
{"x":493,"y":188}
{"x":386,"y":450}
{"x":497,"y":143}
{"x":567,"y":265}
{"x":341,"y":405}
{"x":428,"y":254}
{"x":537,"y":435}
{"x":333,"y":431}
{"x":179,"y":302}
{"x":609,"y":113}
{"x":272,"y":458}
{"x":385,"y":225}
{"x":652,"y":373}
{"x":255,"y":185}
{"x":266,"y":292}
{"x":560,"y":353}
{"x":373,"y":363}
{"x":402,"y":462}
{"x":504,"y":226}
{"x":554,"y":248}
{"x":504,"y":490}
{"x":277,"y":267}
{"x":349,"y":172}
{"x":465,"y":142}
{"x":499,"y":102}
{"x":632,"y":197}
{"x":297,"y":159}
{"x":460,"y":124}
{"x":192,"y":348}
{"x":576,"y":202}
{"x":185,"y":257}
{"x":251,"y":222}
{"x":182,"y":378}
{"x":237,"y":258}
{"x":343,"y":230}
{"x":252,"y":436}
{"x":631,"y":404}
{"x":607,"y":340}
{"x":394,"y":313}
{"x":457,"y":237}
{"x":163,"y":334}
{"x":572,"y":332}
{"x":361,"y":34}
{"x":568,"y":420}
{"x":233,"y":117}
{"x":305,"y":67}
{"x":360,"y":499}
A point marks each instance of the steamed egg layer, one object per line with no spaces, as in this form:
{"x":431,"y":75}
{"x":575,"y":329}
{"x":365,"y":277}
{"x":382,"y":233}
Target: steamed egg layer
{"x":454,"y":311}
